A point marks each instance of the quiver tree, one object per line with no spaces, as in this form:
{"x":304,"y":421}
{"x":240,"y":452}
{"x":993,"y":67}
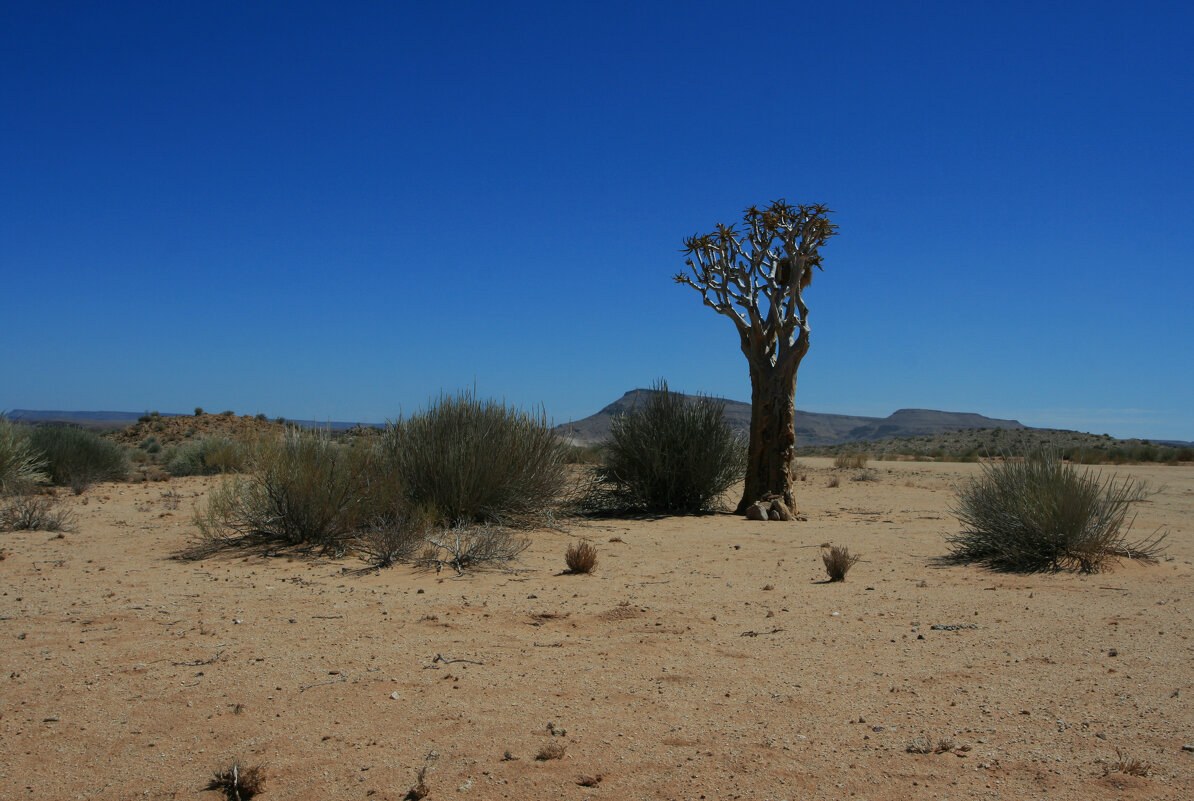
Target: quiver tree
{"x":756,"y":277}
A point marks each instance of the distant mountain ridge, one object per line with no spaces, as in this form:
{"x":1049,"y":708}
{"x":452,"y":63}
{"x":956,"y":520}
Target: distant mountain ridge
{"x":812,"y":428}
{"x":111,"y":420}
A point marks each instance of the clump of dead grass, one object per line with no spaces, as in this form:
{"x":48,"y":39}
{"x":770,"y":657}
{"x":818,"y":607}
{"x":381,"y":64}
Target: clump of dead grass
{"x":581,"y":557}
{"x":1128,"y":765}
{"x":921,"y":744}
{"x":553,"y":750}
{"x":237,"y":783}
{"x":838,"y":561}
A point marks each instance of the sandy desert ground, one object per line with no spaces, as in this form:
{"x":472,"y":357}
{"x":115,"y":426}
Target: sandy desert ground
{"x":705,"y":659}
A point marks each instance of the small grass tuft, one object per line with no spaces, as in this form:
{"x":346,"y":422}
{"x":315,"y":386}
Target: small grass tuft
{"x":553,"y":750}
{"x":838,"y":561}
{"x":1129,"y":766}
{"x":581,"y":557}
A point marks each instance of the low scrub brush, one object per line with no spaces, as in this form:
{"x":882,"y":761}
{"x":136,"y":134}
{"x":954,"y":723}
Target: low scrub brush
{"x":1044,"y":514}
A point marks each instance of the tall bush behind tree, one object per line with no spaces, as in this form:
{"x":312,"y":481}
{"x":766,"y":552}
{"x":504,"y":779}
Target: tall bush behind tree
{"x":756,"y":276}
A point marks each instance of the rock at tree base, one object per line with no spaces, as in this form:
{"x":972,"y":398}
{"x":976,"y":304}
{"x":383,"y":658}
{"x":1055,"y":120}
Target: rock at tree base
{"x":757,"y":512}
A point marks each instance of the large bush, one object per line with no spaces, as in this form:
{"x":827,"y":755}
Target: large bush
{"x":21,"y":466}
{"x":303,"y":489}
{"x":474,"y":461}
{"x":671,"y":455}
{"x":77,"y":458}
{"x":1044,"y":514}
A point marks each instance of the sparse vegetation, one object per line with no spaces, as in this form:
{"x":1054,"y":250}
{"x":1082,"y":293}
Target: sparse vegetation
{"x":470,"y":547}
{"x":207,"y":456}
{"x":973,"y":444}
{"x":476,"y":461}
{"x":1043,"y":514}
{"x":838,"y":561}
{"x":238,"y":783}
{"x":553,"y":750}
{"x":77,"y":458}
{"x":27,"y":511}
{"x":581,"y":557}
{"x":301,"y":489}
{"x":850,"y":461}
{"x":670,"y":455}
{"x":584,"y":454}
{"x":387,"y":539}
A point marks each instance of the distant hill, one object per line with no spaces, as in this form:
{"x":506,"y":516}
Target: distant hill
{"x":812,"y":428}
{"x":115,"y":420}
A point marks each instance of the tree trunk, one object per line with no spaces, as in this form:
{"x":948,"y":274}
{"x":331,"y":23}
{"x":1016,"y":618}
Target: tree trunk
{"x":772,"y":432}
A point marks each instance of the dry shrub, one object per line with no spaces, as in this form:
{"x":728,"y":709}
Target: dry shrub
{"x":237,"y":783}
{"x":391,"y":538}
{"x":581,"y":557}
{"x":460,"y":548}
{"x":419,"y":789}
{"x":1044,"y":514}
{"x":850,"y":461}
{"x":838,"y":561}
{"x":834,"y":481}
{"x":25,"y":511}
{"x":921,"y":744}
{"x":1128,"y":765}
{"x":303,"y":489}
{"x":553,"y":750}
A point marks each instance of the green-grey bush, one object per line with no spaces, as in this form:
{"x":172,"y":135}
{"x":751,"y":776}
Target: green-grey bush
{"x":77,"y":458}
{"x":478,"y":461}
{"x":207,"y":456}
{"x":21,"y":465}
{"x":302,"y":489}
{"x":670,"y":455}
{"x":1044,"y":514}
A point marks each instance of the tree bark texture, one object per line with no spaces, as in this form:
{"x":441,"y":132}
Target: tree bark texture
{"x":772,"y":446}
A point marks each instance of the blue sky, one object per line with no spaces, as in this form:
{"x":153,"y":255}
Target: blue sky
{"x":340,"y":210}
